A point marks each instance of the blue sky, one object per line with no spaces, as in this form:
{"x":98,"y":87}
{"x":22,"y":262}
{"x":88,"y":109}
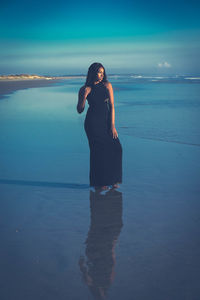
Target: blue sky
{"x":62,"y":37}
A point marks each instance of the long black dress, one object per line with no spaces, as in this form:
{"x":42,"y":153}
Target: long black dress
{"x":105,"y":151}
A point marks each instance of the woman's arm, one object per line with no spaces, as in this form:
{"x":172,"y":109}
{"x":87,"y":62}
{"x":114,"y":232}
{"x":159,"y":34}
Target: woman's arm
{"x":111,"y":97}
{"x":82,"y":95}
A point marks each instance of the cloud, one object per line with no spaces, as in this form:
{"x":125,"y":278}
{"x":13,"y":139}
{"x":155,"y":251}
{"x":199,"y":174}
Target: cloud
{"x":164,"y":65}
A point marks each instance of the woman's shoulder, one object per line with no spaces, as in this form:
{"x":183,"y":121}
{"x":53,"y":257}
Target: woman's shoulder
{"x":108,"y":84}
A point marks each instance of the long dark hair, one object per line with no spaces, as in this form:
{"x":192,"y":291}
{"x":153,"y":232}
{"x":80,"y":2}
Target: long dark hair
{"x":92,"y":73}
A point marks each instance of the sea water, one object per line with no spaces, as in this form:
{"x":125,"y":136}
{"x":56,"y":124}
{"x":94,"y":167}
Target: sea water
{"x":59,"y":239}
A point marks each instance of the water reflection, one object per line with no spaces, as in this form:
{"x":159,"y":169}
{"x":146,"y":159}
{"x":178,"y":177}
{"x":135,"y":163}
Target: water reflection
{"x":97,"y":266}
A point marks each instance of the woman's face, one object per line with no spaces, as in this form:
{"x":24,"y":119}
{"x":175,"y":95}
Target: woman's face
{"x":100,"y":74}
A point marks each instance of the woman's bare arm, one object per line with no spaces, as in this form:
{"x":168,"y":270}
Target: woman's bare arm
{"x":111,"y":97}
{"x":82,"y":95}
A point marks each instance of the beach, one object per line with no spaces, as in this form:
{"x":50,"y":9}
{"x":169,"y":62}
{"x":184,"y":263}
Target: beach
{"x":9,"y":86}
{"x":60,"y":239}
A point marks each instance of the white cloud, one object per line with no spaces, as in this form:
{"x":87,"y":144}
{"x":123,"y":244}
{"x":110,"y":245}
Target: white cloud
{"x":164,"y":65}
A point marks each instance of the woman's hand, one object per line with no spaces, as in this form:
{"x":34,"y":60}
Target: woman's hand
{"x":114,"y":132}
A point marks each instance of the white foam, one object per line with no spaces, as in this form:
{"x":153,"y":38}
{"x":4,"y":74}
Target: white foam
{"x":136,"y":76}
{"x":192,"y":78}
{"x":149,"y":77}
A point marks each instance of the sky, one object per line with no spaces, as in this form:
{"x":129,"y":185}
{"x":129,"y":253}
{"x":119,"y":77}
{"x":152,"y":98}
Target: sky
{"x":127,"y":37}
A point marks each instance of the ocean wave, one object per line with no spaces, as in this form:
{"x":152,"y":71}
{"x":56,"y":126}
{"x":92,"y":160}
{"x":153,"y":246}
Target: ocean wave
{"x":153,"y":78}
{"x":136,"y":76}
{"x":192,"y":78}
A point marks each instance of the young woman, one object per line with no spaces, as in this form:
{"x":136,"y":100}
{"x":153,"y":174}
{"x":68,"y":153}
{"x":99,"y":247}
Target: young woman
{"x":99,"y":125}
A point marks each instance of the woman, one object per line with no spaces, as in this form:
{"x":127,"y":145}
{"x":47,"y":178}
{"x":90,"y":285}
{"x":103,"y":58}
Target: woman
{"x":99,"y":125}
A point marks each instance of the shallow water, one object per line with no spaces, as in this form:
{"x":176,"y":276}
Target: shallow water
{"x":60,"y":240}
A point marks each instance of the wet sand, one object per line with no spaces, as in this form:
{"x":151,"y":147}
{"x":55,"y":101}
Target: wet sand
{"x":9,"y":86}
{"x":60,"y":239}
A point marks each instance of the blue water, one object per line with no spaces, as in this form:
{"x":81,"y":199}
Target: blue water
{"x":60,"y":240}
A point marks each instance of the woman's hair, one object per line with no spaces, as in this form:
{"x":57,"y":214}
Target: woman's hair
{"x":92,"y":73}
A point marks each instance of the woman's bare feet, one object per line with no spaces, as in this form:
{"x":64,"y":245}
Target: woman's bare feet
{"x":115,"y":186}
{"x":101,"y":188}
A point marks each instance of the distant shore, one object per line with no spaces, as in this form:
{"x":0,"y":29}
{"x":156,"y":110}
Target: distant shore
{"x":34,"y":77}
{"x":12,"y":83}
{"x":25,"y":77}
{"x":9,"y":86}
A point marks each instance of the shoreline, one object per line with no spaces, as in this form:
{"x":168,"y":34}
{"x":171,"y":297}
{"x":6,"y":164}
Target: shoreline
{"x":10,"y":86}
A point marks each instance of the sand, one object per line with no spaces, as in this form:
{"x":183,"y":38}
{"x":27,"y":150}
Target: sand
{"x":9,"y":86}
{"x":60,"y":239}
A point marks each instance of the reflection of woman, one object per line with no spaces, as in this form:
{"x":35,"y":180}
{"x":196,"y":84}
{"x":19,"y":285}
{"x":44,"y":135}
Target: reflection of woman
{"x":105,"y":227}
{"x":105,"y":147}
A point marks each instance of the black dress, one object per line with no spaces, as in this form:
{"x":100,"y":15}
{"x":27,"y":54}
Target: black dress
{"x":105,"y":151}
